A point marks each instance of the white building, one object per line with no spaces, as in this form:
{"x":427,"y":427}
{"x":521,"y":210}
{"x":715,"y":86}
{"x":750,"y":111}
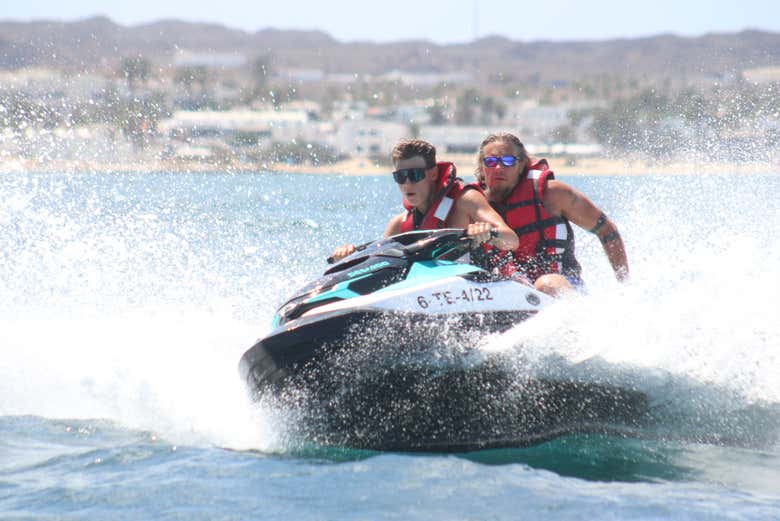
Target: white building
{"x":457,"y":139}
{"x":264,"y":125}
{"x":301,"y":75}
{"x":368,"y":137}
{"x":532,"y":121}
{"x":215,"y":60}
{"x":416,"y":79}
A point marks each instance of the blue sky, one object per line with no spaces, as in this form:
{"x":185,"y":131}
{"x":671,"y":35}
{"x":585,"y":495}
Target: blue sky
{"x":438,"y":21}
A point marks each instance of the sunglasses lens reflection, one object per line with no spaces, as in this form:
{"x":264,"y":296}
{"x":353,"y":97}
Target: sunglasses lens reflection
{"x":492,"y":161}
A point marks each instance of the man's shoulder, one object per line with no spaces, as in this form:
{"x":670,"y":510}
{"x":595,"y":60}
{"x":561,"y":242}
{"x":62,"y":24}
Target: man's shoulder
{"x":394,"y":224}
{"x":472,"y":195}
{"x":556,"y":188}
{"x":397,"y":218}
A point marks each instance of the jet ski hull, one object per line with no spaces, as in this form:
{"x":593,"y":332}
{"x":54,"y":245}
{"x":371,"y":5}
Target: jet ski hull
{"x":379,"y":354}
{"x":352,"y":386}
{"x":314,"y":340}
{"x":419,"y":409}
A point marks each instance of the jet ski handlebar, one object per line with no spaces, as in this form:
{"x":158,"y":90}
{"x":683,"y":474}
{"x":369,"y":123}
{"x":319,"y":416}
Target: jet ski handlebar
{"x":359,"y":247}
{"x":455,"y":236}
{"x":429,"y":240}
{"x":443,"y":237}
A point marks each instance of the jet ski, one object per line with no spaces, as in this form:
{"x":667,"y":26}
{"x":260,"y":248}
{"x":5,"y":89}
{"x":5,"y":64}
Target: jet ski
{"x":379,"y":353}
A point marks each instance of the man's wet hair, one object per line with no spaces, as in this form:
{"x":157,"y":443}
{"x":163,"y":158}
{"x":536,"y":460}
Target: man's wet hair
{"x":409,"y":148}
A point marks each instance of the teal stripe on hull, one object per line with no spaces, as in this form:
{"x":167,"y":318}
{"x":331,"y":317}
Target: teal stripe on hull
{"x":429,"y":271}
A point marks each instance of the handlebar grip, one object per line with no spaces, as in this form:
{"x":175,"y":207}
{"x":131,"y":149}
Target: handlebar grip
{"x":359,"y":247}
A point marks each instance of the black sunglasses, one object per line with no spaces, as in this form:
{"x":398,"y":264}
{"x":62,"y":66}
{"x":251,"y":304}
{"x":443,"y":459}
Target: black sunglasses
{"x":491,"y":161}
{"x":414,"y":175}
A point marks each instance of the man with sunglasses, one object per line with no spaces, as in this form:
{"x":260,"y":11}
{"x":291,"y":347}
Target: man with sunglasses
{"x":539,"y":209}
{"x":434,"y":197}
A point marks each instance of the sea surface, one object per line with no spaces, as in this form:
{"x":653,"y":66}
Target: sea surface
{"x":126,"y":301}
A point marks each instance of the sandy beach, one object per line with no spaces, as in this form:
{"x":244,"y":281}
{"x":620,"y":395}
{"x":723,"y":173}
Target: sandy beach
{"x":362,"y":166}
{"x":466,"y":164}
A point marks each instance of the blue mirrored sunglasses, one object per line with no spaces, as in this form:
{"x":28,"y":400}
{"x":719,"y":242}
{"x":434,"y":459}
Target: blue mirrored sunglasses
{"x":491,"y":161}
{"x":414,"y":175}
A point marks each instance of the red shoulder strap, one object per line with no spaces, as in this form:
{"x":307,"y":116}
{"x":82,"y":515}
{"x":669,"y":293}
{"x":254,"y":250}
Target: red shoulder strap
{"x":544,"y":174}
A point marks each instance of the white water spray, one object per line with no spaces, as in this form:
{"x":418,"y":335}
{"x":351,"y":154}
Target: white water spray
{"x":112,"y":313}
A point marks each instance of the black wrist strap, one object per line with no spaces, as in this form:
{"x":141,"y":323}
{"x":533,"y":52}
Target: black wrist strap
{"x":611,"y":236}
{"x":602,"y":219}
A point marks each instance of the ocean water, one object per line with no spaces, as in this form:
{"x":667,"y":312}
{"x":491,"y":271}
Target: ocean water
{"x":128,"y":299}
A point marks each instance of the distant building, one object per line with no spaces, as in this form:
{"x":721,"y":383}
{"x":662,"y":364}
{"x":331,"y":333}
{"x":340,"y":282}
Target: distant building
{"x":260,"y":125}
{"x":367,"y":137}
{"x":455,"y":139}
{"x":760,"y":75}
{"x":343,"y":78}
{"x":243,"y":130}
{"x":222,"y":60}
{"x":416,"y":79}
{"x":532,"y":121}
{"x":567,"y":149}
{"x":301,"y":75}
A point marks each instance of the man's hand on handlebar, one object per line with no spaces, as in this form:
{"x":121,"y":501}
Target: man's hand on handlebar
{"x":341,"y":252}
{"x":480,"y":233}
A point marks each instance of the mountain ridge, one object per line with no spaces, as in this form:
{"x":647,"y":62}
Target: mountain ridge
{"x":98,"y":43}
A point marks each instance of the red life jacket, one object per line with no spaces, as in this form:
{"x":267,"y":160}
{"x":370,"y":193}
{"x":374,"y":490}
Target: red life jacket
{"x":447,"y":190}
{"x":546,"y":241}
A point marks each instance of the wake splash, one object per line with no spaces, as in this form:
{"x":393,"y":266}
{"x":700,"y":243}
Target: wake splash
{"x":133,"y":309}
{"x":130,"y":298}
{"x":699,"y":342}
{"x":696,"y":330}
{"x":172,"y":372}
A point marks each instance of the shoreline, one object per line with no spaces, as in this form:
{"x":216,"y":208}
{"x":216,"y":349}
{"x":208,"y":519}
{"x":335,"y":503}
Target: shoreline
{"x":590,"y":166}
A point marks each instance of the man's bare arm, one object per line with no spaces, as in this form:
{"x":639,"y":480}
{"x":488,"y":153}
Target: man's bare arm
{"x":561,"y":199}
{"x":478,"y":209}
{"x":394,"y":225}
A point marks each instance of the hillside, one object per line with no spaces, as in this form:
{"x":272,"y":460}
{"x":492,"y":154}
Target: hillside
{"x":98,"y":43}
